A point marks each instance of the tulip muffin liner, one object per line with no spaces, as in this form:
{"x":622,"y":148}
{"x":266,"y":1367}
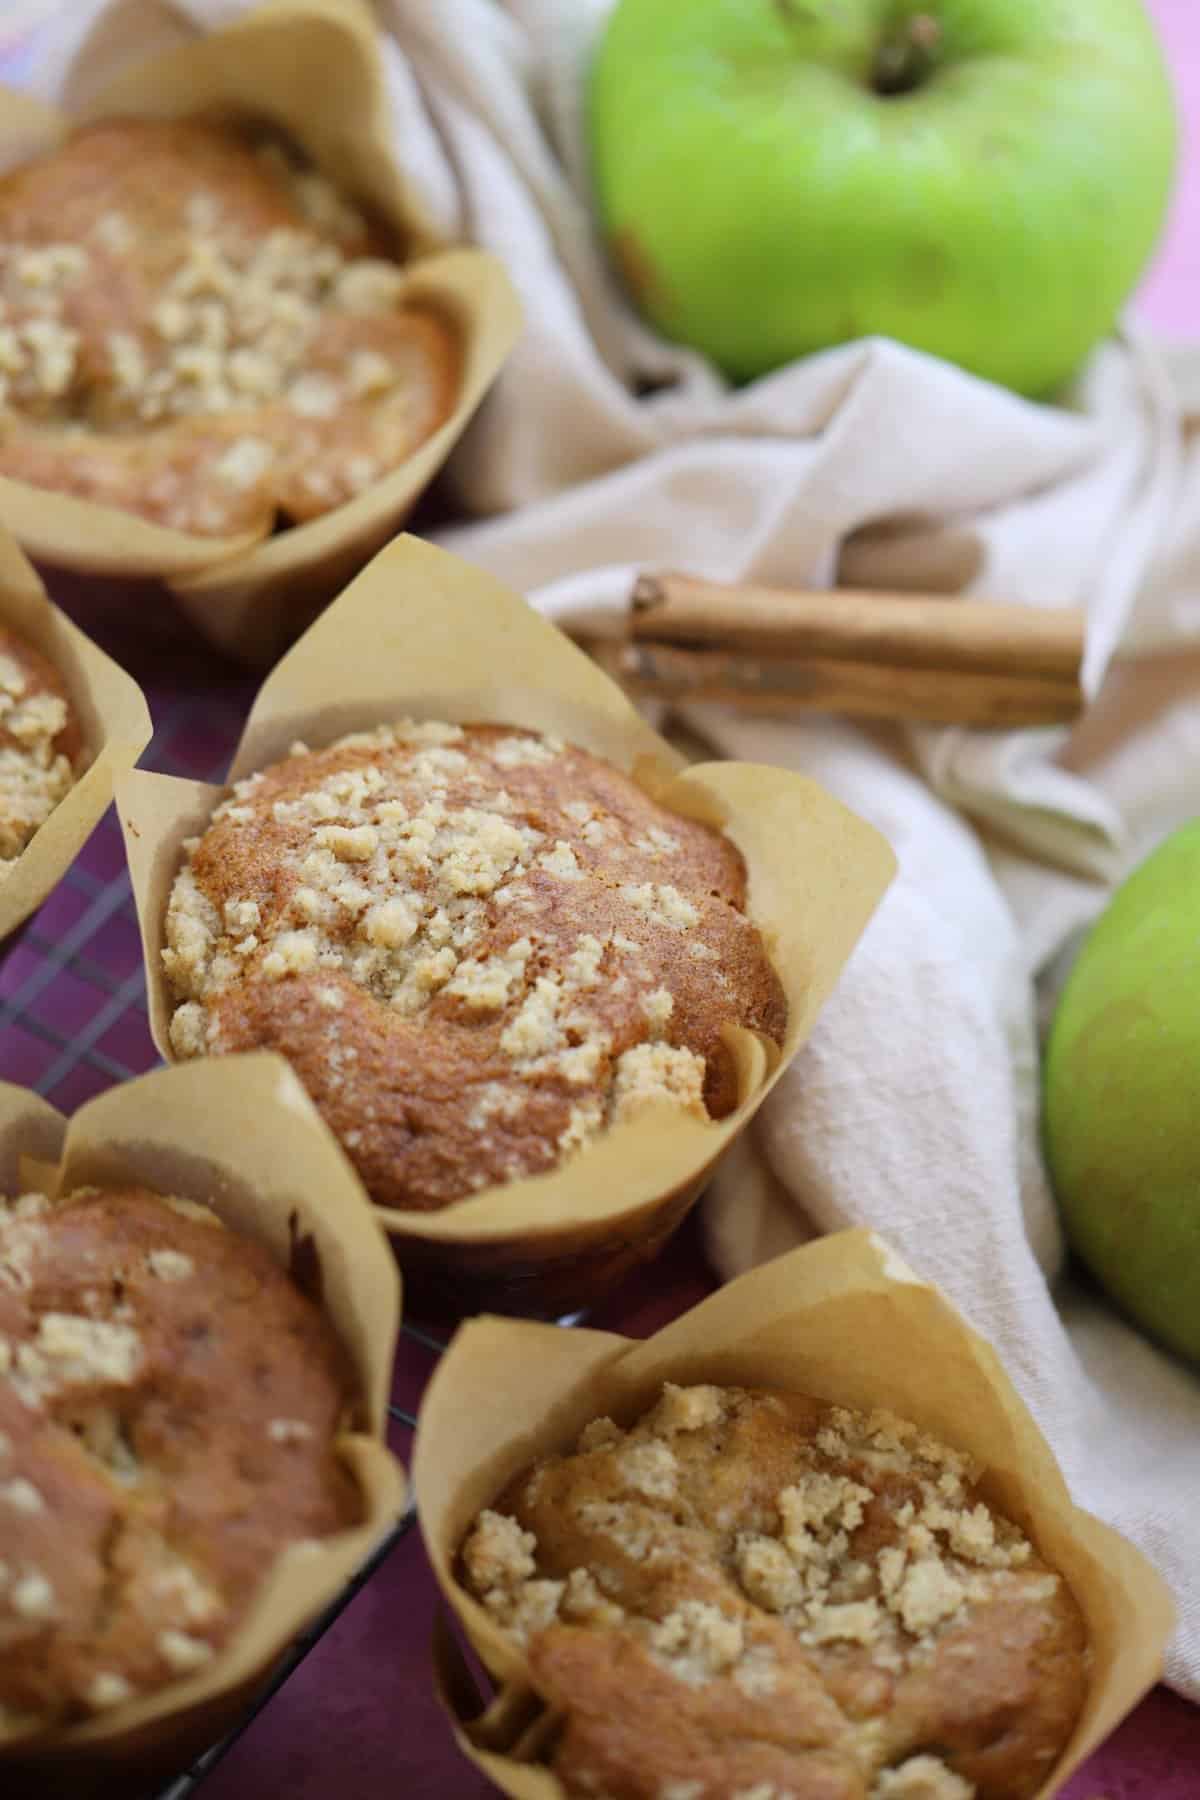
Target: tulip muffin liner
{"x":421,"y":634}
{"x":240,"y":1136}
{"x":843,"y":1320}
{"x":115,"y":726}
{"x":254,"y":593}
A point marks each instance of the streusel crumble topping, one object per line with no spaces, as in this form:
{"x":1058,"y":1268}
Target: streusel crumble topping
{"x":137,"y":1509}
{"x":492,"y":887}
{"x":239,"y":326}
{"x":36,"y":770}
{"x":814,"y":1576}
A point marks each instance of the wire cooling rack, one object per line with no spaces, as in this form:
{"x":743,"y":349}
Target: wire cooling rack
{"x":72,"y":992}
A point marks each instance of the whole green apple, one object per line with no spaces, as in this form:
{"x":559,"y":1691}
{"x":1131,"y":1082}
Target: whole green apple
{"x":1122,"y":1095}
{"x":982,"y":179}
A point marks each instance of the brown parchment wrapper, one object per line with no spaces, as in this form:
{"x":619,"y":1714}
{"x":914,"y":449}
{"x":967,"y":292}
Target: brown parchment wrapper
{"x":312,"y":68}
{"x":421,"y":634}
{"x":115,"y":726}
{"x":843,"y":1319}
{"x":240,"y":1135}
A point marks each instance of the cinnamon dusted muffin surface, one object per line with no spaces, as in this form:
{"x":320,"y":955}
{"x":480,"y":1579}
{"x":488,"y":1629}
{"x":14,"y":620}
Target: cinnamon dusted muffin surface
{"x":197,"y":328}
{"x":477,"y":946}
{"x":168,"y":1406}
{"x":39,"y":744}
{"x":751,"y":1594}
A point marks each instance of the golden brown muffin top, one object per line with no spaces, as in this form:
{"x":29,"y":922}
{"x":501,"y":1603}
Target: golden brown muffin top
{"x":478,"y":946}
{"x":39,"y":743}
{"x":169,"y":1402}
{"x":197,"y":328}
{"x":751,"y":1594}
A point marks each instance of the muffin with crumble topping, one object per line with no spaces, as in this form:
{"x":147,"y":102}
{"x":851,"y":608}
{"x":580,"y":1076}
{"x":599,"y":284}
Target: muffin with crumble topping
{"x":40,"y":744}
{"x":478,"y":946}
{"x":750,"y":1594}
{"x":198,"y":328}
{"x":170,"y":1405}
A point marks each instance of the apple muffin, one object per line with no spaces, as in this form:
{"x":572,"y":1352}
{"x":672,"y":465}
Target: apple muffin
{"x":40,"y":744}
{"x":198,"y":328}
{"x":478,"y":946}
{"x":169,"y":1402}
{"x":753,"y":1593}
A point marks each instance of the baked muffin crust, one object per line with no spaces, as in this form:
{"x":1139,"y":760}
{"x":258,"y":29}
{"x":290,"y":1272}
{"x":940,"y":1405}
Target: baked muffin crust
{"x":168,"y":1406}
{"x":39,"y":744}
{"x":196,"y":328}
{"x":751,"y":1593}
{"x":477,"y":946}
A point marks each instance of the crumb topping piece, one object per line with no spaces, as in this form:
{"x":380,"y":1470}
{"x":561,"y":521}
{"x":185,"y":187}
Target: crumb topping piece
{"x":759,"y":1550}
{"x":921,"y":1778}
{"x":439,"y":874}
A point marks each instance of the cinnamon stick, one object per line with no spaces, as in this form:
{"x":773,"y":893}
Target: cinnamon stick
{"x":889,"y":630}
{"x":837,"y":685}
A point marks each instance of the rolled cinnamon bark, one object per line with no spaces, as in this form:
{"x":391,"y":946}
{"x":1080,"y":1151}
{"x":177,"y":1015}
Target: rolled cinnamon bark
{"x":892,"y":628}
{"x":882,"y":655}
{"x":824,"y":684}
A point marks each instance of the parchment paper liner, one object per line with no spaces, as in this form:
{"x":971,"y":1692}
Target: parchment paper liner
{"x":420,"y":633}
{"x":240,"y":1134}
{"x":115,"y":725}
{"x":843,"y":1319}
{"x":311,"y":67}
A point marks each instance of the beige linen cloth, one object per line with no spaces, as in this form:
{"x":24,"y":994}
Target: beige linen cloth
{"x":604,"y":451}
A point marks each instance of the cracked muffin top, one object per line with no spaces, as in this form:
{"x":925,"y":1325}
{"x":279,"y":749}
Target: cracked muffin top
{"x":169,"y":1402}
{"x":751,"y":1595}
{"x":40,"y":744}
{"x":197,"y":328}
{"x":478,"y":946}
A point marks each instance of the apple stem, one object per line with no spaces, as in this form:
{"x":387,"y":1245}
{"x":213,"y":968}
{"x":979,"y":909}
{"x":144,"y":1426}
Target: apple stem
{"x":903,"y":62}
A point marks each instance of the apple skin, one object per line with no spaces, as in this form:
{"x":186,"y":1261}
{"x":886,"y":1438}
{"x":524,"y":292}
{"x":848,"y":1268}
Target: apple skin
{"x":763,"y":201}
{"x":1121,"y":1112}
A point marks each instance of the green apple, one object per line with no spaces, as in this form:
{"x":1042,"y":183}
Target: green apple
{"x":982,"y":179}
{"x":1121,"y":1096}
